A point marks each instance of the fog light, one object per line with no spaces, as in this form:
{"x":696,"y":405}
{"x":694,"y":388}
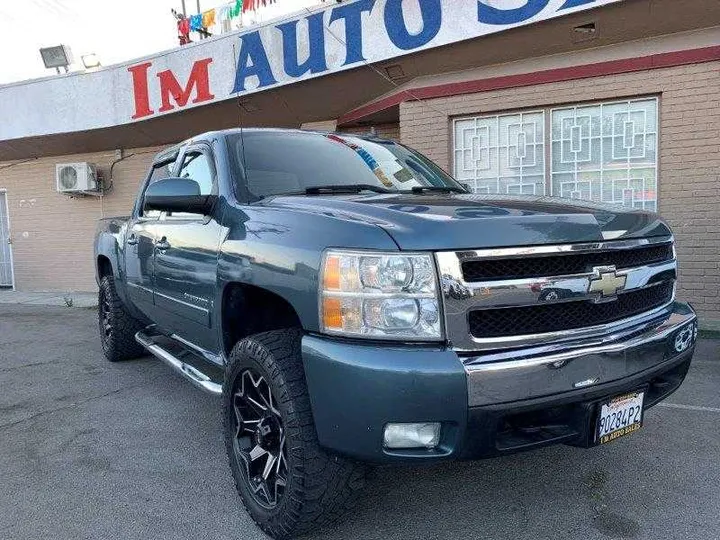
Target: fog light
{"x":423,"y":435}
{"x":685,"y":337}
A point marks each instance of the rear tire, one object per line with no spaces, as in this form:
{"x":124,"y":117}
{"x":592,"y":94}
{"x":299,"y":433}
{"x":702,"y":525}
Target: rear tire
{"x":268,"y":419}
{"x":117,"y":326}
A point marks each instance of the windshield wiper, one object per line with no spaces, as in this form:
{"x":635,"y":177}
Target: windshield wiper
{"x":438,"y":189}
{"x":347,"y":188}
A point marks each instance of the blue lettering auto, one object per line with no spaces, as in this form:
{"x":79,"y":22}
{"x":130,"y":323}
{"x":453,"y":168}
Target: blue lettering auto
{"x":496,"y":16}
{"x":253,"y":59}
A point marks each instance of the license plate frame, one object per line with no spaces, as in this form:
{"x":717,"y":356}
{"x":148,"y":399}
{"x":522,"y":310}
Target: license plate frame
{"x":620,"y":411}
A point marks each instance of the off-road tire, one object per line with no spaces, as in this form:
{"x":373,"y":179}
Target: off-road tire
{"x":119,"y":343}
{"x":321,"y":487}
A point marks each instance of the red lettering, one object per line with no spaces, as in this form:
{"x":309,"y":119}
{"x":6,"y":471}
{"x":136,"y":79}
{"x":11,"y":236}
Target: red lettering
{"x":140,"y":90}
{"x":170,"y":87}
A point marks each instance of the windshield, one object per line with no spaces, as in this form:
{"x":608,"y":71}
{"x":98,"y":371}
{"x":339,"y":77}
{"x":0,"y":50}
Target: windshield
{"x":279,"y":162}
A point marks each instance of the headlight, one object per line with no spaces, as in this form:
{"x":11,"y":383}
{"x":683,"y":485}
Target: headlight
{"x":380,"y":295}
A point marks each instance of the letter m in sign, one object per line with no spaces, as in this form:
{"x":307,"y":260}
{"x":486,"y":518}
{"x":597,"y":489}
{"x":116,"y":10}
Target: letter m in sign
{"x":171,"y":90}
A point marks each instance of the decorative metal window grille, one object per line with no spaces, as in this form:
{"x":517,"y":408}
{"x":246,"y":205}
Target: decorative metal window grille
{"x":502,"y":154}
{"x":604,"y":152}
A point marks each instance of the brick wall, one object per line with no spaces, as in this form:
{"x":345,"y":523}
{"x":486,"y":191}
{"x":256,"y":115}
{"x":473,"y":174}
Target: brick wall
{"x":689,"y":175}
{"x":52,"y":234}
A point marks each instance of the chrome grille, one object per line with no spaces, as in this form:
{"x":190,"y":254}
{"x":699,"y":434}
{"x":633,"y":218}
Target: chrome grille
{"x":559,"y":265}
{"x":511,"y":297}
{"x":486,"y":323}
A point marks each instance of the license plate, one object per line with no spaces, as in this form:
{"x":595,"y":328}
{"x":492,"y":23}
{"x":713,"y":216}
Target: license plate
{"x":619,"y":416}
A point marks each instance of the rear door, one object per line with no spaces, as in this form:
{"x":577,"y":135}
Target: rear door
{"x":140,"y":246}
{"x":186,"y":252}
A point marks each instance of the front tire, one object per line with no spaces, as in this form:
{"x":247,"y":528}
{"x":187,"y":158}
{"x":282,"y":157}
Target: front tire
{"x":287,"y":482}
{"x":117,"y":326}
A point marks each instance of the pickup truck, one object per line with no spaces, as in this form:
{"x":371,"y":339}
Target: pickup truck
{"x":353,"y":304}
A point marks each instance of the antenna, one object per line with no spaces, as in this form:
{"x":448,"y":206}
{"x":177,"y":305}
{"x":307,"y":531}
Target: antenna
{"x":240,"y":116}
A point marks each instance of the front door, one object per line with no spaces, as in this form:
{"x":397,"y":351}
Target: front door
{"x":139,"y":248}
{"x":6,"y":269}
{"x":186,"y":251}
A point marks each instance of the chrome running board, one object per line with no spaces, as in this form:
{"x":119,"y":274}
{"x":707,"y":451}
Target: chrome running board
{"x":191,"y":373}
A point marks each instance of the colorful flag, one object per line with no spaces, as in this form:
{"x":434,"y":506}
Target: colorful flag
{"x":183,"y":26}
{"x":208,"y":18}
{"x":224,"y":13}
{"x":196,"y":22}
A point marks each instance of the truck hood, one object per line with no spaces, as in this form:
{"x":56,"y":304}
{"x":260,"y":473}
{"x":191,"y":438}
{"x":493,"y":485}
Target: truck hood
{"x":464,"y":221}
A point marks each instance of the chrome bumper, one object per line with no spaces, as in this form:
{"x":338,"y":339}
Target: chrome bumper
{"x":546,"y":370}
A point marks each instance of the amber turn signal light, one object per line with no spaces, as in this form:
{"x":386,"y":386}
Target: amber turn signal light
{"x":331,"y":276}
{"x":332,"y":313}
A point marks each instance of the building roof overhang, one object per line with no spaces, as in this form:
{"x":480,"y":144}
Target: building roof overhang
{"x":353,"y":95}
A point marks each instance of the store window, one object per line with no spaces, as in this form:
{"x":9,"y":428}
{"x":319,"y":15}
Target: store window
{"x":502,"y":154}
{"x":605,"y":152}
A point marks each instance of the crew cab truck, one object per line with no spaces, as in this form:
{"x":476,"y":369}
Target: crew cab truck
{"x":353,"y":304}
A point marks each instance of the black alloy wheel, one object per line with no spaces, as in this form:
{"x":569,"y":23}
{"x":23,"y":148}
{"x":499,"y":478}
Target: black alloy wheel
{"x":286,"y":481}
{"x":117,"y":327}
{"x":105,"y":308}
{"x":259,"y":443}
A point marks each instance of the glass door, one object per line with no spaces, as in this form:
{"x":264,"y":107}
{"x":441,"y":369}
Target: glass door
{"x":6,"y":270}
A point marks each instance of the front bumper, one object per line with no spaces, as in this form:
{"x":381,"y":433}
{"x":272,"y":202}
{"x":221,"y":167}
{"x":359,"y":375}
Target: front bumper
{"x":491,"y":404}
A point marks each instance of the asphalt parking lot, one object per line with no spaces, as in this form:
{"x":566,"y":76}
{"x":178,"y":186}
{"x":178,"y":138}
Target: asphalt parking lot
{"x":95,"y":450}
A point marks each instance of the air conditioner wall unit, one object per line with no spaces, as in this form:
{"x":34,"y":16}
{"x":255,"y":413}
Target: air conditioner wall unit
{"x":76,"y":177}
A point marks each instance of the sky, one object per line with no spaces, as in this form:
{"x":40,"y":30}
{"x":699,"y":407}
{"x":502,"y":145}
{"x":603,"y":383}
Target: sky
{"x":115,"y":30}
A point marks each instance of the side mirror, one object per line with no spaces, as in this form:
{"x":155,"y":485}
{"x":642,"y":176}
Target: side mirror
{"x":177,"y":195}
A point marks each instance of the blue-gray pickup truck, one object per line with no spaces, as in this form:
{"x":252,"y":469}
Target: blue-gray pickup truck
{"x":353,"y":304}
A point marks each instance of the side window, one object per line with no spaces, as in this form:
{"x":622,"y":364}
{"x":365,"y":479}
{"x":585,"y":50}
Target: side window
{"x":160,"y":171}
{"x":196,"y":166}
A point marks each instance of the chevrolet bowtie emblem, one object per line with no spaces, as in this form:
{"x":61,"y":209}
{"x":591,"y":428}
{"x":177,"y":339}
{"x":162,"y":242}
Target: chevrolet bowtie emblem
{"x":606,"y":281}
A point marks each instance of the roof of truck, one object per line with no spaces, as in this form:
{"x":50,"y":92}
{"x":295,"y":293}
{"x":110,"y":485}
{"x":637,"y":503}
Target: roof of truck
{"x":171,"y":152}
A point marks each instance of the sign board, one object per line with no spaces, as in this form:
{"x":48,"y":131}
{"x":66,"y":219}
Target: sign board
{"x":308,"y":44}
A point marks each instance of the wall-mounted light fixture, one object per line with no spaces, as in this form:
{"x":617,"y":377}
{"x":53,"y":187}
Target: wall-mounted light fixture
{"x":59,"y":56}
{"x":90,"y":61}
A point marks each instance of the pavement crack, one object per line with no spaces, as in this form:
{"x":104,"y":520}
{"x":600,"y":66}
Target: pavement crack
{"x":31,"y":364}
{"x":77,"y":403}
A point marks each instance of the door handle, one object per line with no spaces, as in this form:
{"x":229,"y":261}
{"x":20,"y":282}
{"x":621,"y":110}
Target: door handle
{"x":133,"y":240}
{"x":163,"y":244}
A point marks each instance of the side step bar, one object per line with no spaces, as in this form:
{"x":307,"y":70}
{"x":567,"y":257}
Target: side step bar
{"x":192,"y":374}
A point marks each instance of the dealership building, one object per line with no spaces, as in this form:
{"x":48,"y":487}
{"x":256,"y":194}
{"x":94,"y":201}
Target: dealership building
{"x":616,"y":101}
